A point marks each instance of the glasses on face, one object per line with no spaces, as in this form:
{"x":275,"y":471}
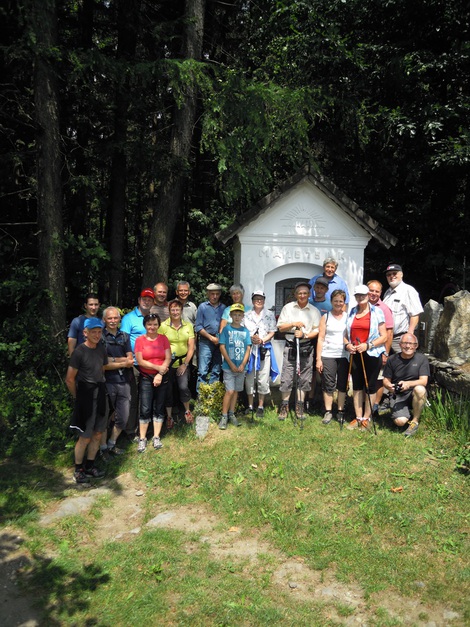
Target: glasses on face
{"x":408,"y":344}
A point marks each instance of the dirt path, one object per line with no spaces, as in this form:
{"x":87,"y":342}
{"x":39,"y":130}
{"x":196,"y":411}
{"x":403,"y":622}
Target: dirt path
{"x":292,"y":575}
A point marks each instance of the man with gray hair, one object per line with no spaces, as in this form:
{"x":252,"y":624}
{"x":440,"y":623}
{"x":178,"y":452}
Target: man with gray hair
{"x":404,"y":303}
{"x":207,"y":325}
{"x":335,"y":282}
{"x":183,"y":291}
{"x":118,"y":374}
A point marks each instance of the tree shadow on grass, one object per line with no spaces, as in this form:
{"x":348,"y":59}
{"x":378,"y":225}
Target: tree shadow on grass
{"x":46,"y":589}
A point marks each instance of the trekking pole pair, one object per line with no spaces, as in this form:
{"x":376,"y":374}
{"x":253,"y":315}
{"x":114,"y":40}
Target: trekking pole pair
{"x":367,"y":389}
{"x":298,"y":404}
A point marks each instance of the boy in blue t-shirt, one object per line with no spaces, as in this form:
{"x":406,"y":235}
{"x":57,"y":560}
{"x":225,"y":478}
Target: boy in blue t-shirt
{"x":235,"y":346}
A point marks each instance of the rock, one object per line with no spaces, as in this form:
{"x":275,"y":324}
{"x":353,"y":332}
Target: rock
{"x":292,"y":585}
{"x":202,"y":426}
{"x":452,"y":336}
{"x":430,"y":317}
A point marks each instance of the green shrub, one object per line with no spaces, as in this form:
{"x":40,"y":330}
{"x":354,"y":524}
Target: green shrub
{"x":210,"y":399}
{"x":447,"y":412}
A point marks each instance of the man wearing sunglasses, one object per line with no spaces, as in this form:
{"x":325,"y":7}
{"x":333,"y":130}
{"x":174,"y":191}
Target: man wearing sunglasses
{"x":406,"y":375}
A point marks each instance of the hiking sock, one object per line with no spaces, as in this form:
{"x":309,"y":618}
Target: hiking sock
{"x":111,"y":443}
{"x":78,"y":467}
{"x":88,"y":465}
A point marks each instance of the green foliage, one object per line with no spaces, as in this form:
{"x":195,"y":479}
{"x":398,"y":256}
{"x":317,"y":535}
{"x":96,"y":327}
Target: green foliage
{"x":209,"y":402}
{"x":446,"y":412}
{"x":463,"y":458}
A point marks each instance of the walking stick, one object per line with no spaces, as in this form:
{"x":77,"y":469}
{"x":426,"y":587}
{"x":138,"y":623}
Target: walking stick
{"x":341,"y":421}
{"x":367,"y":390}
{"x":297,"y":377}
{"x":255,"y":379}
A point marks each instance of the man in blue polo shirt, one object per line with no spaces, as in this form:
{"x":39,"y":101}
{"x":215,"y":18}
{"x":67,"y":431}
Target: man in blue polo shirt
{"x":335,"y":282}
{"x":207,"y":325}
{"x":133,"y":325}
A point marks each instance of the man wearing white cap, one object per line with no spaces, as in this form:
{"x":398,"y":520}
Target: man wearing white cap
{"x":404,"y":302}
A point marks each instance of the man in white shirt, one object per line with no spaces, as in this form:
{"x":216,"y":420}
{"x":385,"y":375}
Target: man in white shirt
{"x":404,"y":303}
{"x":299,"y":321}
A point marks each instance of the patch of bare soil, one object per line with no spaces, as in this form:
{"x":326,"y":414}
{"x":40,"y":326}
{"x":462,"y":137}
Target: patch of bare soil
{"x":290,"y":576}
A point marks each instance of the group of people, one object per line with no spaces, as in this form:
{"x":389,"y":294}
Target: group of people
{"x":136,"y":365}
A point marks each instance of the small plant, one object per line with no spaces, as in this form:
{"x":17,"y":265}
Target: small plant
{"x":447,"y":412}
{"x":209,"y":402}
{"x":463,"y":459}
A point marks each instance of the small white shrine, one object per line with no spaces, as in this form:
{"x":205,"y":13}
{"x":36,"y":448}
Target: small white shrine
{"x":286,"y":236}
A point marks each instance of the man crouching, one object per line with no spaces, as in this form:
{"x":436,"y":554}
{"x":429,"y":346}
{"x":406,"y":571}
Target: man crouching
{"x":406,"y":375}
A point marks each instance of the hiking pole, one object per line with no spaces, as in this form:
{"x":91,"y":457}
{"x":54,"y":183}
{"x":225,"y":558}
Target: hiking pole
{"x":297,"y":377}
{"x":367,"y":389}
{"x":341,"y":420}
{"x":255,"y":379}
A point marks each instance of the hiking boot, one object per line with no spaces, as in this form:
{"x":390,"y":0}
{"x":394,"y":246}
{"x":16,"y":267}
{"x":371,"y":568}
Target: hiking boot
{"x":233,"y":420}
{"x":79,"y":476}
{"x":248,"y":410}
{"x":188,"y":417}
{"x":170,"y":423}
{"x":157,"y":443}
{"x":260,"y":412}
{"x":299,"y":409}
{"x":94,"y":472}
{"x":327,"y":418}
{"x":115,"y":450}
{"x":365,"y":424}
{"x":283,"y":411}
{"x":354,"y":424}
{"x":223,"y":423}
{"x":142,"y":445}
{"x":104,"y":455}
{"x":412,"y":428}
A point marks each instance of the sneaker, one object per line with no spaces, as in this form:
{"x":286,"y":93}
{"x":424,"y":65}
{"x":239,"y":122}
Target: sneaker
{"x":170,"y":423}
{"x":223,"y":423}
{"x":248,"y":410}
{"x":327,"y":418}
{"x":299,"y":409}
{"x":79,"y":476}
{"x":365,"y":424}
{"x":142,"y":445}
{"x":283,"y":411}
{"x":340,"y":417}
{"x":233,"y":420}
{"x":188,"y":417}
{"x":94,"y":472}
{"x":354,"y":424}
{"x":412,"y":428}
{"x":115,"y":450}
{"x":260,"y":412}
{"x":157,"y":443}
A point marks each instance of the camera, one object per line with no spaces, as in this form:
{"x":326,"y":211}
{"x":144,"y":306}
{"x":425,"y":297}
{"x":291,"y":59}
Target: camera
{"x":398,"y":389}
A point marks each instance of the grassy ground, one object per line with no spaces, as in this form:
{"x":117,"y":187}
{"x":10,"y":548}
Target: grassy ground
{"x":384,"y":514}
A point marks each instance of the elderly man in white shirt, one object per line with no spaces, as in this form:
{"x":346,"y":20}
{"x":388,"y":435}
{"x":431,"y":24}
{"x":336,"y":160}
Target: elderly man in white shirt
{"x":404,"y":303}
{"x":298,"y":320}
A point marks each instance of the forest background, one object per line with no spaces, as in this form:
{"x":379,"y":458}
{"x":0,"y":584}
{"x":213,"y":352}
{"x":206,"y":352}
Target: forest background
{"x":132,"y":131}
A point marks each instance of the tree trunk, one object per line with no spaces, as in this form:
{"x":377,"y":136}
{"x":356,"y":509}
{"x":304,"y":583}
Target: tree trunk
{"x":128,"y":18}
{"x":43,"y":17}
{"x":169,"y":202}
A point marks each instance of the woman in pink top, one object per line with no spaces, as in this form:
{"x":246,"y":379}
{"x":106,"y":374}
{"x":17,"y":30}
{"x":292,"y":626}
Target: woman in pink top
{"x":153,"y":355}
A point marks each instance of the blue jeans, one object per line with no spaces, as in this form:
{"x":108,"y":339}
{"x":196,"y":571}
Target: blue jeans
{"x":209,"y":359}
{"x":152,"y":400}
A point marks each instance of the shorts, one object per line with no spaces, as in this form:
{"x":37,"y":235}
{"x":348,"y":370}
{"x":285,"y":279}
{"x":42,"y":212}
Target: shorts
{"x":401,"y":404}
{"x":335,"y":374}
{"x":234,"y":381}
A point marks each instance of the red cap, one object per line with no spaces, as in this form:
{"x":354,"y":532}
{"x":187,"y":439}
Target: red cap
{"x":147,"y":292}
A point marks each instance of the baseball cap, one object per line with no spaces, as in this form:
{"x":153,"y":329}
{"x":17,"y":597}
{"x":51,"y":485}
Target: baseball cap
{"x":302,"y":284}
{"x":214,"y":287}
{"x":322,"y":281}
{"x":258,"y":293}
{"x":393,"y":267}
{"x":237,"y":307}
{"x":147,"y":293}
{"x":93,"y":323}
{"x":361,"y":289}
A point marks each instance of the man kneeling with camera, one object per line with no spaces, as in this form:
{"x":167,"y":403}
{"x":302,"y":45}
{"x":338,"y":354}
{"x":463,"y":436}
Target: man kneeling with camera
{"x":406,"y":375}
